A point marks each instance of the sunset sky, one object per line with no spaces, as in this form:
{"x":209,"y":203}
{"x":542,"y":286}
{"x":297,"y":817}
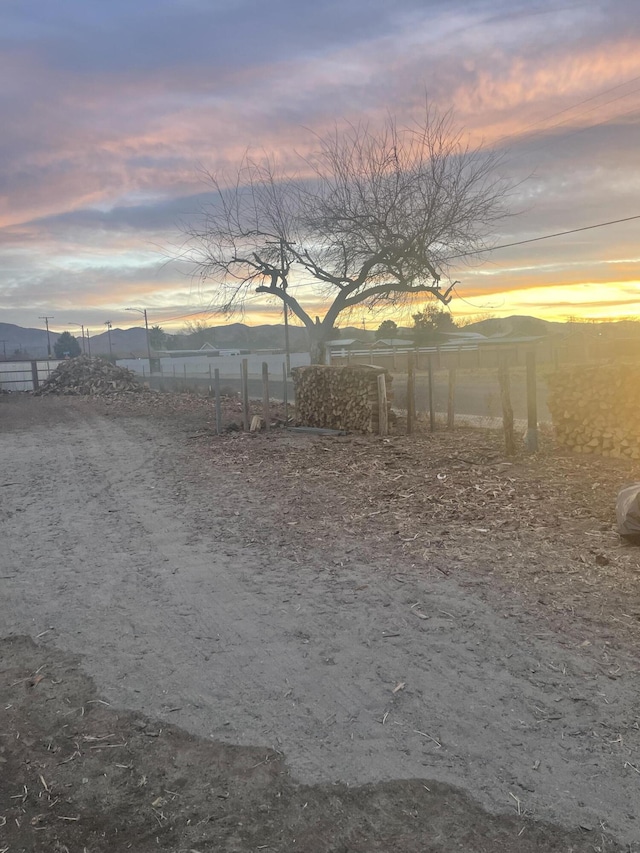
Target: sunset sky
{"x":111,"y":110}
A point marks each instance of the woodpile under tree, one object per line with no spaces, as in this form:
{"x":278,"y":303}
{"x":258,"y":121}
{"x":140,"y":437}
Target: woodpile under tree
{"x":596,"y":409}
{"x":372,"y":220}
{"x":340,"y":397}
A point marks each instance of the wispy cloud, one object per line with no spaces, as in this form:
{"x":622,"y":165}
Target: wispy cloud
{"x":111,"y":109}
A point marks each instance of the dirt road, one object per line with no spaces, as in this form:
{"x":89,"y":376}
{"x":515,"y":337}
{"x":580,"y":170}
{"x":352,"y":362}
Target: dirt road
{"x":180,"y":587}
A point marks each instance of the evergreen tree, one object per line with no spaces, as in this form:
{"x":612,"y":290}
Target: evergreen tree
{"x":430,"y":322}
{"x":157,"y":337}
{"x":66,"y":346}
{"x":387,"y":329}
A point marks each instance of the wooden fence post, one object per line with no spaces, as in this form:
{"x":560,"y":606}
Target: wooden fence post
{"x":507,"y":408}
{"x":285,"y":395}
{"x":432,"y":414}
{"x":411,"y":392}
{"x":246,"y":421}
{"x":266,"y":413}
{"x":34,"y":375}
{"x":531,"y":438}
{"x":383,"y":412}
{"x":451,"y":399}
{"x":216,"y":387}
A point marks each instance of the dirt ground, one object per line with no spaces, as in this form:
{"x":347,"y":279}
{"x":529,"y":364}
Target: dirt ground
{"x":291,"y":642}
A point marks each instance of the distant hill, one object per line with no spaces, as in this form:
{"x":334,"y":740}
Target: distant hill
{"x":516,"y":325}
{"x":16,"y":341}
{"x":19,"y":342}
{"x":125,"y":343}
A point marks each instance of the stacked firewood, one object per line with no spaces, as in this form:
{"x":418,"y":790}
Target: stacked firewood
{"x":339,"y":397}
{"x":89,"y":376}
{"x":596,"y":409}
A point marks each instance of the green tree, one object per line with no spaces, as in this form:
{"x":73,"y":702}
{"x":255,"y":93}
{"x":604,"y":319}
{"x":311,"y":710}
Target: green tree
{"x":431,"y":322}
{"x":387,"y":329}
{"x":157,"y":337}
{"x":66,"y":345}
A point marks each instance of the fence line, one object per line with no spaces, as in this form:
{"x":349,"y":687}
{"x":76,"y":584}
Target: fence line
{"x":452,"y":396}
{"x":22,"y":375}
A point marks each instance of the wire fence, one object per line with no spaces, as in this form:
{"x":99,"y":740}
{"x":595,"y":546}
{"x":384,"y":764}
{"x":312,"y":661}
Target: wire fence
{"x":25,"y":375}
{"x":506,"y":396}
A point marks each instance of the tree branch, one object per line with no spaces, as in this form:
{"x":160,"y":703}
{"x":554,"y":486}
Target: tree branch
{"x":383,"y":209}
{"x":396,"y":287}
{"x":290,"y":301}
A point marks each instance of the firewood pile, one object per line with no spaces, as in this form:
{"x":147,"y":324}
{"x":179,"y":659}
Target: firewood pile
{"x":596,"y":409}
{"x":339,"y":397}
{"x":89,"y":376}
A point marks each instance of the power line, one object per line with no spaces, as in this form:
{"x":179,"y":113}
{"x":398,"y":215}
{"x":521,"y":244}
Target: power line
{"x":453,"y":257}
{"x":527,"y":150}
{"x":517,"y":242}
{"x":183,"y":316}
{"x":568,"y":109}
{"x":544,"y":237}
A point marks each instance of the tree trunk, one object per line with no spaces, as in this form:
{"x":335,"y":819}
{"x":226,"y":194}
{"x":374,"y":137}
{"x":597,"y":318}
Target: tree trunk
{"x":317,"y":350}
{"x":318,"y":337}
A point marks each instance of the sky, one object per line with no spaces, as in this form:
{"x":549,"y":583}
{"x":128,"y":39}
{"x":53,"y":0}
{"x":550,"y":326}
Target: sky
{"x":112,"y":111}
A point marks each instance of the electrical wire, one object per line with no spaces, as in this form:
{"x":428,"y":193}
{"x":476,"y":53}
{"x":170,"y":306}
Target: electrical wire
{"x":449,"y":258}
{"x":522,"y":132}
{"x":544,"y":237}
{"x":528,"y":150}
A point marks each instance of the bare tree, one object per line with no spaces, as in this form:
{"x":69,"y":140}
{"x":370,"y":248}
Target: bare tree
{"x":371,"y":219}
{"x":199,"y":333}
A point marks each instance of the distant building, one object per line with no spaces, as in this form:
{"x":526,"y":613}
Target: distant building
{"x":391,"y":343}
{"x":342,"y":346}
{"x":207,"y":350}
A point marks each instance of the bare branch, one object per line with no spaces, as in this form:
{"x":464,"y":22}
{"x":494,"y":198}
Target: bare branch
{"x":374,"y":225}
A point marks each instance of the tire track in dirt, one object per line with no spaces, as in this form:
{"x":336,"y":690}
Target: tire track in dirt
{"x":231,"y":639}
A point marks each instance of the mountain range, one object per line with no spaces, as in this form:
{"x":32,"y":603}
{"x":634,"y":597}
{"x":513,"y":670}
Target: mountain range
{"x":17,"y":342}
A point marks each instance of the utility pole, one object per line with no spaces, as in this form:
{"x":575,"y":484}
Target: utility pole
{"x":88,"y":343}
{"x":287,"y":349}
{"x":46,"y":320}
{"x":146,"y":326}
{"x":143,"y":311}
{"x":82,"y":327}
{"x":108,"y":325}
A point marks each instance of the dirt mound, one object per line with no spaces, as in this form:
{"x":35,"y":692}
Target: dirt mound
{"x":89,"y":376}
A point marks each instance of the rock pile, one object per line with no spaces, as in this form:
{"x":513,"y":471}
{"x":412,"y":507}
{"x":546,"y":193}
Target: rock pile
{"x":90,"y":376}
